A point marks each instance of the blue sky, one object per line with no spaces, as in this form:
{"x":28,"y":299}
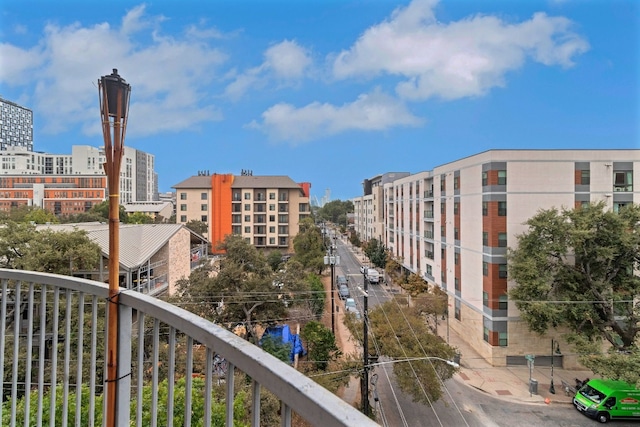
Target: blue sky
{"x":325,"y":91}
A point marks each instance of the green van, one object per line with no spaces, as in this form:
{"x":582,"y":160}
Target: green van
{"x":605,"y":400}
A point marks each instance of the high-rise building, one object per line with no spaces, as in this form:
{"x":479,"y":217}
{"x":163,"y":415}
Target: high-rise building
{"x":452,"y":225}
{"x":16,"y":126}
{"x":266,"y":210}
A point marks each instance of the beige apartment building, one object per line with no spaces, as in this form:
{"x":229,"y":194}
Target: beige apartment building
{"x":453,"y":225}
{"x":369,"y":214}
{"x":265,"y":210}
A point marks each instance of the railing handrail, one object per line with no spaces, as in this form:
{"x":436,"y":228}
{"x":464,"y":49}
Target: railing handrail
{"x":300,"y":393}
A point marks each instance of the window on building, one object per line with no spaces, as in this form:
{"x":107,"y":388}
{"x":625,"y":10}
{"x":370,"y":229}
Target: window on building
{"x":502,"y":339}
{"x":456,"y":182}
{"x":183,"y":196}
{"x":203,"y":218}
{"x":247,"y":196}
{"x":456,"y":233}
{"x":272,"y":229}
{"x":456,"y":258}
{"x":485,"y":238}
{"x":247,"y":229}
{"x":272,"y":196}
{"x":485,"y":334}
{"x":617,"y":206}
{"x":456,"y":283}
{"x":429,"y":270}
{"x":272,"y":207}
{"x":503,"y":302}
{"x":203,"y":196}
{"x":183,"y":218}
{"x":485,"y":299}
{"x":502,"y":208}
{"x":502,"y":240}
{"x":623,"y":181}
{"x":247,"y":218}
{"x":272,"y":240}
{"x":235,"y":219}
{"x":502,"y":271}
{"x":203,"y":207}
{"x":485,"y":269}
{"x":502,"y":177}
{"x":272,"y":218}
{"x":247,"y":207}
{"x":183,"y":207}
{"x":442,"y":230}
{"x":456,"y":308}
{"x":485,"y":208}
{"x":485,"y":179}
{"x":585,"y":177}
{"x":456,"y":208}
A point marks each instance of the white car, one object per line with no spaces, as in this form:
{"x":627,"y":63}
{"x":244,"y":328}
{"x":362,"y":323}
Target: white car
{"x":350,"y":307}
{"x":363,"y":269}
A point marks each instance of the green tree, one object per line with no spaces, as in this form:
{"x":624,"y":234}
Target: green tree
{"x":321,"y":344}
{"x":23,"y":247}
{"x":577,"y":269}
{"x":243,"y":291}
{"x":336,"y":211}
{"x":376,"y":252}
{"x":197,"y":227}
{"x":401,"y":333}
{"x":276,"y":348}
{"x":309,"y":246}
{"x":355,"y":239}
{"x":274,"y":258}
{"x":139,"y":218}
{"x":102,"y":210}
{"x":29,"y":214}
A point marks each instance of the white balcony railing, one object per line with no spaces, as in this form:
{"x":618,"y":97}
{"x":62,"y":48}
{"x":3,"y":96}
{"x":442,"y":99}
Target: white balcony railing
{"x":52,"y":340}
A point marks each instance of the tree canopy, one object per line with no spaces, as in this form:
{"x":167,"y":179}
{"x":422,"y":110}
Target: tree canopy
{"x":376,"y":251}
{"x":63,"y":252}
{"x":309,"y":246}
{"x":400,"y":332}
{"x":577,"y":269}
{"x":335,"y":211}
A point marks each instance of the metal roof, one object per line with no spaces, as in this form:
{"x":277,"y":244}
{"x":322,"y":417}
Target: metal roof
{"x":274,"y":181}
{"x":138,"y":242}
{"x":198,"y":181}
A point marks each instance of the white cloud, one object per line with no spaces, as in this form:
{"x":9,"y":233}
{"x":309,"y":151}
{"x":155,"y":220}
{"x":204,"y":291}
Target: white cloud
{"x":375,"y":111}
{"x":168,"y":76}
{"x":458,"y":59}
{"x":286,"y":62}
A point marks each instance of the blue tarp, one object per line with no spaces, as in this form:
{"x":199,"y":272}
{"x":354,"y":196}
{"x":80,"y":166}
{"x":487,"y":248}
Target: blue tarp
{"x":284,"y":335}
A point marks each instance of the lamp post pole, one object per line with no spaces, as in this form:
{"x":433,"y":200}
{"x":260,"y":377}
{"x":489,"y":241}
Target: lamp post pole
{"x":555,"y":348}
{"x":114,"y":94}
{"x":365,"y":350}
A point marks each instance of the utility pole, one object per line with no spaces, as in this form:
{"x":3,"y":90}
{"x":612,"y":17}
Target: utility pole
{"x":365,"y":351}
{"x":332,"y":260}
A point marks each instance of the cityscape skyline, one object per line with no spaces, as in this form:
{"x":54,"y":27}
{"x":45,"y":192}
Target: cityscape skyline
{"x":327,"y":92}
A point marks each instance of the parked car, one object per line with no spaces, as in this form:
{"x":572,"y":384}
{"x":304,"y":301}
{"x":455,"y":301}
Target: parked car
{"x":350,"y":307}
{"x":363,"y":269}
{"x":343,"y":292}
{"x":373,"y":276}
{"x":342,"y":280}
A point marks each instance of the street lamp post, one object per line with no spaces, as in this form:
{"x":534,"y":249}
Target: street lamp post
{"x":555,"y":348}
{"x":332,"y":260}
{"x":114,"y":93}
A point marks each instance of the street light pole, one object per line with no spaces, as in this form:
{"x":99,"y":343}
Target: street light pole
{"x":332,"y":260}
{"x":555,"y":348}
{"x":365,"y":352}
{"x":114,"y":93}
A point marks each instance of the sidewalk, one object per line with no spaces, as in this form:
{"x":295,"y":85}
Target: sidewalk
{"x":509,"y":383}
{"x":512,"y":382}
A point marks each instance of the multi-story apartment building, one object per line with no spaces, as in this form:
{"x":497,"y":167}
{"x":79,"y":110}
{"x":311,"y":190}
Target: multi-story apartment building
{"x":266,"y":210}
{"x":453,"y":225}
{"x":138,"y":180}
{"x":369,"y":215}
{"x":59,"y":194}
{"x":16,"y":126}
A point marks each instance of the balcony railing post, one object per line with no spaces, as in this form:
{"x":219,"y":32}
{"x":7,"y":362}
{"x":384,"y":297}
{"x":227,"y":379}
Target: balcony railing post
{"x":123,"y":401}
